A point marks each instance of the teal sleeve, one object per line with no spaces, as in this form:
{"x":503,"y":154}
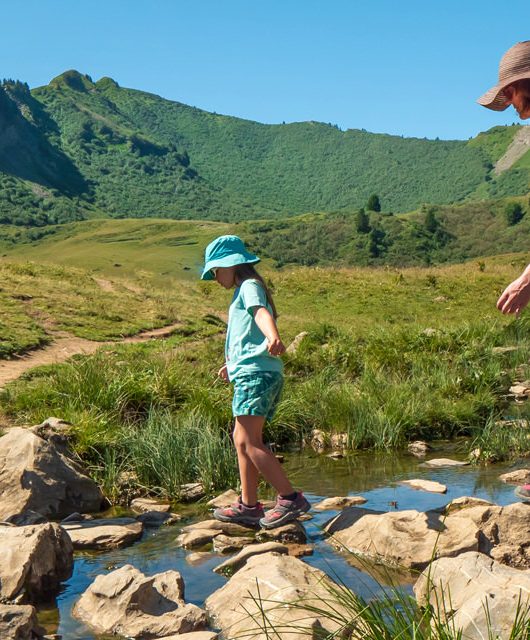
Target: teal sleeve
{"x":253,"y":294}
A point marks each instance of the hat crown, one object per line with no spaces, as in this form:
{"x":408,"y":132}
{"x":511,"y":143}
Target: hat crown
{"x":515,"y":61}
{"x":224,"y":246}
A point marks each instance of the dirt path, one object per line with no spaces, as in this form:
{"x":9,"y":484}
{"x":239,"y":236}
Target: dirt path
{"x":65,"y":346}
{"x":518,"y":147}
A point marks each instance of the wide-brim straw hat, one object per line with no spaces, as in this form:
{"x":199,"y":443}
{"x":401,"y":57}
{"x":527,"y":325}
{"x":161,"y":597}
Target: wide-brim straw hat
{"x":225,"y":251}
{"x":514,"y":65}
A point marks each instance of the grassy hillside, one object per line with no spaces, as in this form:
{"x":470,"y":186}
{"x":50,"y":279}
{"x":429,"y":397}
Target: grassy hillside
{"x":80,"y":149}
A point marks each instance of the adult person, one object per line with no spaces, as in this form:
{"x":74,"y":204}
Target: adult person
{"x":513,"y":88}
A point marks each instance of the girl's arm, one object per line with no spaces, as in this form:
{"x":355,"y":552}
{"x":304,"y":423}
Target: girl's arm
{"x":267,"y":326}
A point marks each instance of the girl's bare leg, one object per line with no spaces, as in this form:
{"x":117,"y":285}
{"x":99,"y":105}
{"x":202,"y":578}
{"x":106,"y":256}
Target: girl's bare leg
{"x":254,"y":458}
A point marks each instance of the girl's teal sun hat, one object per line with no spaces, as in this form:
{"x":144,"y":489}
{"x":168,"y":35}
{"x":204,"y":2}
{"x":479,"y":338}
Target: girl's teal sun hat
{"x":225,"y":251}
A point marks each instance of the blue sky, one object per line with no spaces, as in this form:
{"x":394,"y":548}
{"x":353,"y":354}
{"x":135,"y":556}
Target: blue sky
{"x":409,"y":67}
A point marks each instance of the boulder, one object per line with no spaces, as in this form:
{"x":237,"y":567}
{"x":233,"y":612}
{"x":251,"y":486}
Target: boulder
{"x":318,"y":440}
{"x":192,"y":491}
{"x":479,"y":588}
{"x":443,"y":462}
{"x":19,"y":622}
{"x":111,"y":533}
{"x":128,"y":603}
{"x":405,"y":539}
{"x":292,"y":532}
{"x":504,"y":532}
{"x":36,"y":476}
{"x":339,"y":502}
{"x":34,"y":560}
{"x":521,"y":476}
{"x":235,"y":563}
{"x":286,"y":588}
{"x":230,"y":544}
{"x":425,"y":485}
{"x":418,"y":448}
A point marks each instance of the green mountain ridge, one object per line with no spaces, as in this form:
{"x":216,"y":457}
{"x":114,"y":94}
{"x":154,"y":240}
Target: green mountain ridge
{"x":81,"y":149}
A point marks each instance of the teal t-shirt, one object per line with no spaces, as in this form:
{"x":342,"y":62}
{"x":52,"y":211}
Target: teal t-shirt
{"x":246,"y":346}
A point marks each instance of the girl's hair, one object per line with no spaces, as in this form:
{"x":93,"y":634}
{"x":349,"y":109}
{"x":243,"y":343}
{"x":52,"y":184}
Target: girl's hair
{"x":247,"y":271}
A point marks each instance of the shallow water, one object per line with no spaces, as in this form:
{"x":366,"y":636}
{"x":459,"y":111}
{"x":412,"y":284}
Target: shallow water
{"x":374,"y":476}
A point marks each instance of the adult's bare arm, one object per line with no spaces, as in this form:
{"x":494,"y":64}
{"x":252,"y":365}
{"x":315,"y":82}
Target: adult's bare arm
{"x":516,"y":295}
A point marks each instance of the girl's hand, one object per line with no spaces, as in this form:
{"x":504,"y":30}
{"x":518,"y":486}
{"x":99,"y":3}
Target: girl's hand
{"x":223,"y":373}
{"x":275,"y":347}
{"x":516,"y":295}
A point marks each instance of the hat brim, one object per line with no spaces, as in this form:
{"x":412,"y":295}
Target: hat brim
{"x":495,"y":99}
{"x":228,"y":261}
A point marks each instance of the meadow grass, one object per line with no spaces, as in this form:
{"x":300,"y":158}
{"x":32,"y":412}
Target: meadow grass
{"x":390,"y":356}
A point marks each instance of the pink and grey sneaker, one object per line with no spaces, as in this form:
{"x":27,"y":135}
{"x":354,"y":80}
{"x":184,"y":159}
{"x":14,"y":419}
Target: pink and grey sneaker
{"x":284,"y":511}
{"x":523,"y":492}
{"x":239,"y":513}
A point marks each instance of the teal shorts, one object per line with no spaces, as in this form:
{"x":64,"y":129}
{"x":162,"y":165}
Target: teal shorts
{"x":257,"y":394}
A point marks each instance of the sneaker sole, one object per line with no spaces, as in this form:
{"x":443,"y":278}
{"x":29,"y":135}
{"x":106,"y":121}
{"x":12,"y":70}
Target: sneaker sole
{"x":288,"y":517}
{"x":522,"y":496}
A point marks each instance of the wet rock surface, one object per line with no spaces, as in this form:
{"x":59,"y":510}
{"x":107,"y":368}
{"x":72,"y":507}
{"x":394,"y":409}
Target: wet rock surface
{"x":402,"y":538}
{"x":128,"y":603}
{"x":34,"y":560}
{"x":108,"y":533}
{"x":19,"y":622}
{"x":480,"y":588}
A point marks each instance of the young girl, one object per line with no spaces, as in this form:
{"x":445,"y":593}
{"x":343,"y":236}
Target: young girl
{"x":252,"y":348}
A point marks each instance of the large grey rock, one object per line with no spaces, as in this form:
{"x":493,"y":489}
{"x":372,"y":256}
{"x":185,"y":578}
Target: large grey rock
{"x":127,"y":603}
{"x":35,"y":475}
{"x":472,"y":587}
{"x":111,"y":533}
{"x":286,"y":588}
{"x":402,"y":538}
{"x":34,"y":560}
{"x":505,"y":531}
{"x":228,"y":528}
{"x":19,"y":622}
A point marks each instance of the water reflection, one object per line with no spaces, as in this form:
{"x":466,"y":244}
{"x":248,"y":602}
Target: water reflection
{"x":375,"y":476}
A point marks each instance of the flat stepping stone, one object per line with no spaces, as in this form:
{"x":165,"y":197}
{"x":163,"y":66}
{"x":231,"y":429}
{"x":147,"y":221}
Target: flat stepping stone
{"x":225,"y":499}
{"x":300,"y":550}
{"x":293,"y":532}
{"x":425,"y":485}
{"x":521,"y":476}
{"x":443,"y":462}
{"x":197,"y":558}
{"x":235,"y":563}
{"x":339,"y":502}
{"x":228,"y":528}
{"x":230,"y":544}
{"x":193,"y":635}
{"x":197,"y":538}
{"x":158,"y":518}
{"x":112,"y":533}
{"x":145,"y":505}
